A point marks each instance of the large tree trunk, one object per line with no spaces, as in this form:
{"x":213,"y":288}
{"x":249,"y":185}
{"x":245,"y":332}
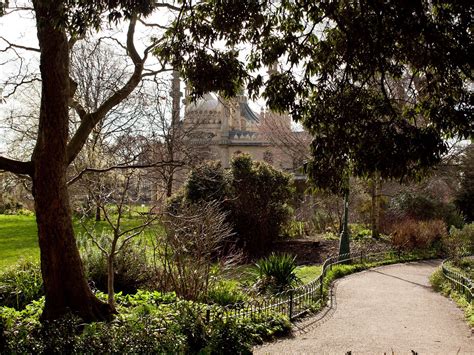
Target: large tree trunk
{"x":65,"y":285}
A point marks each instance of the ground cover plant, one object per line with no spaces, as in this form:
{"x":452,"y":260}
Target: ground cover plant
{"x":148,"y":322}
{"x":442,"y":285}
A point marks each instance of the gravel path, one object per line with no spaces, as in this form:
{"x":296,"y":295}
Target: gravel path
{"x":386,"y":310}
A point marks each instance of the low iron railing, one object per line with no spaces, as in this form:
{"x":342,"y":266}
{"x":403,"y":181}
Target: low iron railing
{"x":459,"y":282}
{"x":297,"y":301}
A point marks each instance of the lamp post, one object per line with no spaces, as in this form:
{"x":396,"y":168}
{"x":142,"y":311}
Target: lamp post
{"x":344,"y":244}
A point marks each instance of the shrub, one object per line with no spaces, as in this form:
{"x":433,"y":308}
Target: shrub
{"x":138,"y":334}
{"x":21,"y":284}
{"x":442,"y":285}
{"x":459,"y":242}
{"x":207,"y":182}
{"x":131,"y":266}
{"x":19,"y":212}
{"x":412,"y":234}
{"x":194,"y":239}
{"x":254,"y":194}
{"x":10,"y":206}
{"x":359,"y":231}
{"x":276,"y":273}
{"x":260,"y":207}
{"x":225,"y":293}
{"x":295,"y":229}
{"x":465,"y":196}
{"x":424,"y":208}
{"x":141,"y":328}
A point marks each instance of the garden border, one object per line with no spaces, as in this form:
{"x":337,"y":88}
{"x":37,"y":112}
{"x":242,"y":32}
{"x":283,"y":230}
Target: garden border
{"x":459,"y":282}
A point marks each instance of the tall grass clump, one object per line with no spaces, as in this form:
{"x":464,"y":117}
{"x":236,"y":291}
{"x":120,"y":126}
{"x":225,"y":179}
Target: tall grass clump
{"x":21,"y":284}
{"x":276,"y":273}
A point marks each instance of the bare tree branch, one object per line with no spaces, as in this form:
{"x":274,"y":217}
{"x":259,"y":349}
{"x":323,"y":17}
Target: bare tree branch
{"x":18,"y":46}
{"x":90,"y":120}
{"x":117,"y":167}
{"x":16,"y":166}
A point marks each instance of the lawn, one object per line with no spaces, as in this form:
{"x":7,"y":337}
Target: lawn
{"x":18,"y":239}
{"x":308,"y":273}
{"x":18,"y":236}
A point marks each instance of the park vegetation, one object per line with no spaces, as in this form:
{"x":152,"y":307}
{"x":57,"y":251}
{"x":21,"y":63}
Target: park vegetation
{"x":382,"y":92}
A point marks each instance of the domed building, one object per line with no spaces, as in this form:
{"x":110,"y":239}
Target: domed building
{"x":219,"y":128}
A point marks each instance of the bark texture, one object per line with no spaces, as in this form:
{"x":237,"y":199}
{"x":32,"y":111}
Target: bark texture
{"x":65,"y":285}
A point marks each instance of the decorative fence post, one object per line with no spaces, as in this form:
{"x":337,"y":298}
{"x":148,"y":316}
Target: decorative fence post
{"x":290,"y":306}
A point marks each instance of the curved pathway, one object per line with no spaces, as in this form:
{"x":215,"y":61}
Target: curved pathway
{"x":385,"y":310}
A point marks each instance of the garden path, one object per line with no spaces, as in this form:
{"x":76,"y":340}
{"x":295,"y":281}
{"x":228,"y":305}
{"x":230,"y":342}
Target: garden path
{"x":385,"y":310}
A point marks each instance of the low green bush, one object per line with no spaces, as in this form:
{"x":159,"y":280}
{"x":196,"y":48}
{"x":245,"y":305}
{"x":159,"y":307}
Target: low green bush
{"x":359,"y":231}
{"x":21,"y":284}
{"x":294,"y":229}
{"x":131,"y":266}
{"x":225,"y":293}
{"x":442,"y":285}
{"x":10,"y":206}
{"x":19,"y":212}
{"x":149,"y":322}
{"x":459,"y":242}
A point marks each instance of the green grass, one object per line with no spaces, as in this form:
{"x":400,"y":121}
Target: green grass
{"x":308,"y":273}
{"x":248,"y":273}
{"x":19,"y":239}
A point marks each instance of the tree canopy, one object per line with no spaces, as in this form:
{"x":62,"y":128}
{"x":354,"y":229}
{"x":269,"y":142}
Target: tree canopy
{"x":379,"y":84}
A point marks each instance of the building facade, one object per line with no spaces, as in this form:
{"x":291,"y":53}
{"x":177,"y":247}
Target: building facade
{"x":219,"y":128}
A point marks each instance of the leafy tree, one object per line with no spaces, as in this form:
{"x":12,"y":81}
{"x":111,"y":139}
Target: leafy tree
{"x":59,"y":25}
{"x":259,"y":209}
{"x":397,"y":69}
{"x":254,"y":194}
{"x":207,"y":182}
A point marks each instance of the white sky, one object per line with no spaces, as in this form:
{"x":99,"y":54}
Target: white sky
{"x":19,"y":28}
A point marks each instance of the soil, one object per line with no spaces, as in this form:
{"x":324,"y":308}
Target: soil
{"x":385,"y":310}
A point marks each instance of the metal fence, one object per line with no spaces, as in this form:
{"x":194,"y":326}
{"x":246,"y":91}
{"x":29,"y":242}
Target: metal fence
{"x":459,"y":282}
{"x":297,"y":301}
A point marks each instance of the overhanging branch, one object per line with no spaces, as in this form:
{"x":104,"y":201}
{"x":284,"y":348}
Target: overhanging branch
{"x":16,"y":166}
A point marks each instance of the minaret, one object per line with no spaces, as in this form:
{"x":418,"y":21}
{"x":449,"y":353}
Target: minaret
{"x":175,"y":97}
